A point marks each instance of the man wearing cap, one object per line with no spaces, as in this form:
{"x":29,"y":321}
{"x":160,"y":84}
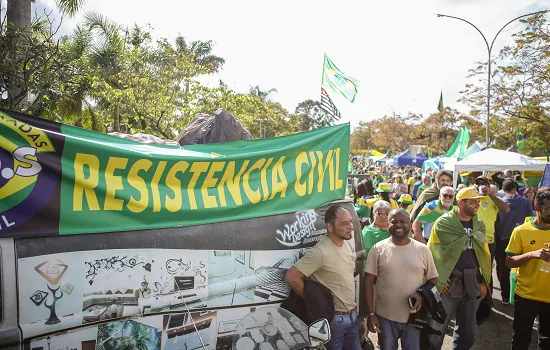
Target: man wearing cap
{"x":366,"y":204}
{"x":463,"y":261}
{"x":405,"y":201}
{"x":422,"y":226}
{"x":520,"y":208}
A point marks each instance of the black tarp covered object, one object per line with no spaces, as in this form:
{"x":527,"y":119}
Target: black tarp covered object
{"x":223,"y":127}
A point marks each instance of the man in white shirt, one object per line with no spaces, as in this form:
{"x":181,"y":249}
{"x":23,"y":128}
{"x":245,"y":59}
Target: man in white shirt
{"x":399,"y":266}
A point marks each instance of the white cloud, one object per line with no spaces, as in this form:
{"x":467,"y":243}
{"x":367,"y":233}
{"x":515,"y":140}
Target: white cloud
{"x":399,"y":50}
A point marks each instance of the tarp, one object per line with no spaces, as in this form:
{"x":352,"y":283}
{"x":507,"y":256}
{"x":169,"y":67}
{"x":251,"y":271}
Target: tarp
{"x":223,"y":127}
{"x":458,"y":148}
{"x":474,"y":148}
{"x":492,"y":159}
{"x":545,"y":179}
{"x":59,"y":180}
{"x":430,"y":163}
{"x":406,"y":159}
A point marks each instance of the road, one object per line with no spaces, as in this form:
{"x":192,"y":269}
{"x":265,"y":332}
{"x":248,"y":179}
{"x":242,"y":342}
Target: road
{"x":495,"y":333}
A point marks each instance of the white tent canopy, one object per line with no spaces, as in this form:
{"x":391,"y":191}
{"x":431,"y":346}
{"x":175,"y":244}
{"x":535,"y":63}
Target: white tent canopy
{"x":492,"y":159}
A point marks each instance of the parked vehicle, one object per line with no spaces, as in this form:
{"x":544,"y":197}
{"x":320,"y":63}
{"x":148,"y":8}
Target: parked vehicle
{"x":150,"y":288}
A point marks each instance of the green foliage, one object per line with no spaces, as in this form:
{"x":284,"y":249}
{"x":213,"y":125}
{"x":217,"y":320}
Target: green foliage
{"x":397,"y":133}
{"x":520,"y":89}
{"x":109,"y":78}
{"x":310,"y":115}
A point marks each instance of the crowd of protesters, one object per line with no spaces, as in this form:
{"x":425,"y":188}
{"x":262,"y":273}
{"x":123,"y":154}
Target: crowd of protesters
{"x":429,"y":250}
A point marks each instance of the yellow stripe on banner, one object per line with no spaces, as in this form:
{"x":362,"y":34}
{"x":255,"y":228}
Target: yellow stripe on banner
{"x":34,"y":136}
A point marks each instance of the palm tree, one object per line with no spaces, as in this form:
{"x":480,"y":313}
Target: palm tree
{"x":19,"y":11}
{"x":106,"y":54}
{"x":200,"y":55}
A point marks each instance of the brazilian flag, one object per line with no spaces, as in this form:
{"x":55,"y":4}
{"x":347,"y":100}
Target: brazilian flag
{"x":338,"y":81}
{"x":520,"y":141}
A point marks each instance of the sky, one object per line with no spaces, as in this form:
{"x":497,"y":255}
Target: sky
{"x":400,"y":51}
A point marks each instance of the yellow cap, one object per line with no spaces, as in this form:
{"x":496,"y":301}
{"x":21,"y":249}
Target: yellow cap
{"x":383,"y":187}
{"x":406,"y":198}
{"x":468,"y":193}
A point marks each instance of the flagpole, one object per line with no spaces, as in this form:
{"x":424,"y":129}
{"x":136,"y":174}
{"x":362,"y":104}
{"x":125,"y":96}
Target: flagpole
{"x":489,"y":49}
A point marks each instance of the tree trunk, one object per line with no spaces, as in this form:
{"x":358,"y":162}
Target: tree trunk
{"x":116,"y":126}
{"x":19,"y":13}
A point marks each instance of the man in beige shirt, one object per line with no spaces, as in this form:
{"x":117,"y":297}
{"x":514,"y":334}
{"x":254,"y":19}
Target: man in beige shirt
{"x":399,"y":266}
{"x":331,"y":262}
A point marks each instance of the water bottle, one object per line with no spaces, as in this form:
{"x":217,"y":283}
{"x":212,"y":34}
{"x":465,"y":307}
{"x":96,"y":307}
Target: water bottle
{"x":545,"y":266}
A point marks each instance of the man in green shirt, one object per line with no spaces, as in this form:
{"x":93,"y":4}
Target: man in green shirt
{"x":426,"y":182}
{"x":378,"y":230}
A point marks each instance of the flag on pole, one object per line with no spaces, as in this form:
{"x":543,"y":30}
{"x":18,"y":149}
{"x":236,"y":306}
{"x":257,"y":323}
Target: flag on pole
{"x":520,"y":141}
{"x":328,"y":106}
{"x":440,"y":104}
{"x":338,"y":81}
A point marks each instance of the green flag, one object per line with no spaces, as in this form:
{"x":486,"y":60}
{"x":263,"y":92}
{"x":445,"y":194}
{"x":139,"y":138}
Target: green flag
{"x":440,"y":105}
{"x":520,"y":142}
{"x":338,"y":81}
{"x":459,"y":146}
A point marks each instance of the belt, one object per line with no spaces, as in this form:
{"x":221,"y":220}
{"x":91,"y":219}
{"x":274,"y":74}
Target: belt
{"x":345,"y":312}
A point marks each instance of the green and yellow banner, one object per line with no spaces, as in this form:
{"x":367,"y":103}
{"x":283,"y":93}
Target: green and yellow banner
{"x":57,"y":179}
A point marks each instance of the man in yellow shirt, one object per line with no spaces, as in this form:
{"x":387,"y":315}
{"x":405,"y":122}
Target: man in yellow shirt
{"x":529,"y":249}
{"x":488,"y":210}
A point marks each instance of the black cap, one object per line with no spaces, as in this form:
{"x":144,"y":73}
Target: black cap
{"x":481,"y":178}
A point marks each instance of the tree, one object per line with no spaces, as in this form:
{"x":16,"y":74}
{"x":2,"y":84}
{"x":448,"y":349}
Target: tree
{"x":35,"y":67}
{"x":19,"y":12}
{"x":520,"y":88}
{"x":200,"y":54}
{"x":310,"y":115}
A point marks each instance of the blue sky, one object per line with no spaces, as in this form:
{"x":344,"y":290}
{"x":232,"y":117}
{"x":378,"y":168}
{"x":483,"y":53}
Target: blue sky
{"x":402,"y":54}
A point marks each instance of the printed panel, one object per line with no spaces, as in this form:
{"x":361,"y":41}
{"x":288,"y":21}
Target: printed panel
{"x":50,"y":292}
{"x":141,"y":333}
{"x":190,"y":331}
{"x":82,"y":339}
{"x":179,"y":281}
{"x":270,"y":268}
{"x":61,"y":291}
{"x":231,"y":278}
{"x":115,"y":281}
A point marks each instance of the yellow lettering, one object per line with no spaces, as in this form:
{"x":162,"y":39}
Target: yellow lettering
{"x":263,"y":177}
{"x":137,"y":182}
{"x":278,"y":173}
{"x":311,"y":171}
{"x":113,"y":183}
{"x":233,"y":183}
{"x":172,"y":182}
{"x":84,"y":186}
{"x":155,"y":185}
{"x":253,"y":195}
{"x":197,"y":169}
{"x":321,"y":170}
{"x":299,"y":187}
{"x":339,"y":182}
{"x":209,"y":182}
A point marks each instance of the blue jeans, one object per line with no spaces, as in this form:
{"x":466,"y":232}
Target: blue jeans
{"x":344,"y":333}
{"x":391,"y":332}
{"x":465,"y":321}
